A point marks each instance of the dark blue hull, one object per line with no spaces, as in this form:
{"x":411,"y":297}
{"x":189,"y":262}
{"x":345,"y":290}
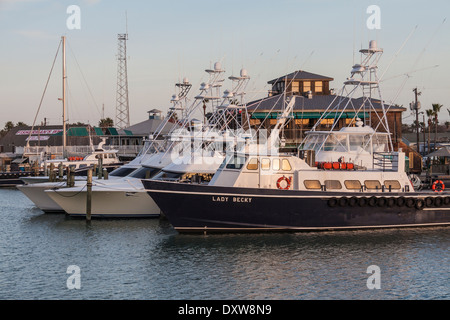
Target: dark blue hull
{"x":203,"y":208}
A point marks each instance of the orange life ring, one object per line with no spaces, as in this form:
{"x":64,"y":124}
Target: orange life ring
{"x":288,"y":183}
{"x":438,"y":186}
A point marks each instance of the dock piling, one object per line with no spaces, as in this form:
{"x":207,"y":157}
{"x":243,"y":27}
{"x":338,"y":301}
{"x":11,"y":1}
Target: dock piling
{"x":89,"y":195}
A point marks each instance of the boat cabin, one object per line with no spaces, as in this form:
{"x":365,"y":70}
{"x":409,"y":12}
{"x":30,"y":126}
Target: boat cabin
{"x":290,"y":172}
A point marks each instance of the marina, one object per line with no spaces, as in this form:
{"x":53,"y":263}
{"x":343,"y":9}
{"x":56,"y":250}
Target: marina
{"x":146,"y":259}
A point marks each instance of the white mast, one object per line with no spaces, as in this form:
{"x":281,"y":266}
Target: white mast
{"x":64,"y":93}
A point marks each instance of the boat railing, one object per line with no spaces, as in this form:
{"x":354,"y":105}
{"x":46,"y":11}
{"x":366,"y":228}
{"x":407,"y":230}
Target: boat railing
{"x":385,"y":161}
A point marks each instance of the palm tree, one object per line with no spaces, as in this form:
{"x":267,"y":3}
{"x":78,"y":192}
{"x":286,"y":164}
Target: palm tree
{"x":430,"y":114}
{"x":436,"y":108}
{"x":106,"y":123}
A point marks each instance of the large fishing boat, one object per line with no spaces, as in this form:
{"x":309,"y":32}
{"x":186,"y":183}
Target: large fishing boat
{"x":176,"y":160}
{"x":338,"y":180}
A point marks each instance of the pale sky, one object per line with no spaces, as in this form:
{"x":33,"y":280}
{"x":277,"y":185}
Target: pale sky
{"x":170,"y":40}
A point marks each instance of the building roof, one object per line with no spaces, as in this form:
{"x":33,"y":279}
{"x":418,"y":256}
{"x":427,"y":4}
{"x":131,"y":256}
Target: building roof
{"x":318,"y":103}
{"x":301,"y":75}
{"x":150,"y":126}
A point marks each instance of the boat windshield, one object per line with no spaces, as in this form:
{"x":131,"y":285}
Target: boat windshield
{"x":234,"y":161}
{"x":167,"y":175}
{"x":121,"y":172}
{"x":145,"y":173}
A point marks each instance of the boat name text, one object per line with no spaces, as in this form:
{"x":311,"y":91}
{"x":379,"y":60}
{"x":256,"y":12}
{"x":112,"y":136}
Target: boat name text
{"x":231,"y":199}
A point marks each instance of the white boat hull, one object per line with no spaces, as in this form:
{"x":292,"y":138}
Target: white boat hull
{"x":107,"y":203}
{"x":36,"y":193}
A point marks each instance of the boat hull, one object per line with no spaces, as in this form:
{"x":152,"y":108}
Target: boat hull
{"x":36,"y":193}
{"x":107,"y":203}
{"x":203,"y":208}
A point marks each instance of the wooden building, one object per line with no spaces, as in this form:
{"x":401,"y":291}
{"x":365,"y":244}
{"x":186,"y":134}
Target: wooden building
{"x":313,"y":96}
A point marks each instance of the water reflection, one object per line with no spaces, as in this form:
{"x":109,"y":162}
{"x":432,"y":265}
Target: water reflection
{"x":147,"y":259}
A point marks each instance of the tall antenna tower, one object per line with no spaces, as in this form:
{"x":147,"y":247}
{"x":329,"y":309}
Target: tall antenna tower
{"x":122,"y":102}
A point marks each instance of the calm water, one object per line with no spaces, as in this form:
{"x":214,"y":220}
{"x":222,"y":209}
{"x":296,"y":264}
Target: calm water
{"x":147,"y":259}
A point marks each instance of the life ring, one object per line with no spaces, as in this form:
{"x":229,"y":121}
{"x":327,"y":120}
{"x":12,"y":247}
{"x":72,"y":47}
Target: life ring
{"x":288,"y":183}
{"x":438,"y":186}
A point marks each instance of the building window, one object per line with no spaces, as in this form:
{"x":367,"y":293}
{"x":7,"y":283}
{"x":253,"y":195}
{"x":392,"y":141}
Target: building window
{"x":306,"y":86}
{"x":295,"y":87}
{"x":312,"y":184}
{"x":318,"y":86}
{"x":327,"y":122}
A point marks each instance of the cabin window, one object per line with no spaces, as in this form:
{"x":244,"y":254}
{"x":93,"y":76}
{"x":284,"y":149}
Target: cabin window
{"x":276,"y":164}
{"x":352,"y":184}
{"x":265,"y":164}
{"x":318,"y":86}
{"x":394,"y":184}
{"x":372,"y":184}
{"x":333,"y":184}
{"x":286,"y":165}
{"x":252,"y":164}
{"x":312,"y":184}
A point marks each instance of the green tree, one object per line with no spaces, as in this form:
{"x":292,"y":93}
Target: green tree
{"x":436,"y":108}
{"x":430,"y":114}
{"x":106,"y":123}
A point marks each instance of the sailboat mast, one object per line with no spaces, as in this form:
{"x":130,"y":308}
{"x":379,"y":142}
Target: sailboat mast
{"x":64,"y":93}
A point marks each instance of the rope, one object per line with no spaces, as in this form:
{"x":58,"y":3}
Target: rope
{"x":45,"y":90}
